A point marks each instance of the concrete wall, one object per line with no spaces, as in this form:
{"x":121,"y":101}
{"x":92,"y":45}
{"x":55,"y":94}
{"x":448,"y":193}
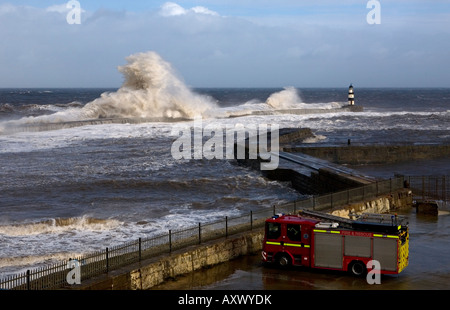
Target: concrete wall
{"x":384,"y":204}
{"x":149,"y":273}
{"x":374,"y":154}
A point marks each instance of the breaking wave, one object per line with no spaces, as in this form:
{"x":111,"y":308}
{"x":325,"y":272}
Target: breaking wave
{"x":289,"y":98}
{"x":285,"y":99}
{"x":151,"y":89}
{"x":58,"y":225}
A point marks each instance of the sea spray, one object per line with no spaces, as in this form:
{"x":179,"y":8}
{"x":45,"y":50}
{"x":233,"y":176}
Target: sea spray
{"x":285,"y":99}
{"x":151,"y":89}
{"x":289,"y":98}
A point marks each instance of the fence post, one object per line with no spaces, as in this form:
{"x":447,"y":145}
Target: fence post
{"x":444,"y":190}
{"x":437,"y":186}
{"x":226,"y":226}
{"x":140,"y":249}
{"x":28,"y":280}
{"x":423,"y":187}
{"x":107,"y":261}
{"x":170,"y":241}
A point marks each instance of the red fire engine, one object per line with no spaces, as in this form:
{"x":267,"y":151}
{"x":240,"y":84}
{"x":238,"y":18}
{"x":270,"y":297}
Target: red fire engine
{"x":319,"y":240}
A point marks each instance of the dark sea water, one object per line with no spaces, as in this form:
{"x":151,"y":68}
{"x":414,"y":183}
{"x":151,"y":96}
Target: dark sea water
{"x":70,"y":191}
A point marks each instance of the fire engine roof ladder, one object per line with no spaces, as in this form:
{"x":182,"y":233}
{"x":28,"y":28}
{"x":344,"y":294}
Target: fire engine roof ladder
{"x":343,"y":222}
{"x":382,"y":222}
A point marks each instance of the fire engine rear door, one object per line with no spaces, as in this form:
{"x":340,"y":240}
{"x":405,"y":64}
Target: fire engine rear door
{"x":385,"y":251}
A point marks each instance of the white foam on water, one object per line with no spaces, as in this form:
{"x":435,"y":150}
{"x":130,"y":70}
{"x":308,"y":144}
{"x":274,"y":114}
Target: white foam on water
{"x":55,"y":240}
{"x":32,"y":141}
{"x":57,"y":226}
{"x":289,"y":98}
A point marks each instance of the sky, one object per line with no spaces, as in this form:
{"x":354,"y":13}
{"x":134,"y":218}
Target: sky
{"x":229,"y":43}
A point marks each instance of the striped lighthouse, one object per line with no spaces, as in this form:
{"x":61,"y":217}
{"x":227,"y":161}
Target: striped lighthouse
{"x":351,"y":95}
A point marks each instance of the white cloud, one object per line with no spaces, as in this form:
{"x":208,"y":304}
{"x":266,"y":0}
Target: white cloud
{"x":7,"y":8}
{"x":59,"y":8}
{"x":62,"y":8}
{"x":173,"y":9}
{"x":213,"y":50}
{"x":203,"y":10}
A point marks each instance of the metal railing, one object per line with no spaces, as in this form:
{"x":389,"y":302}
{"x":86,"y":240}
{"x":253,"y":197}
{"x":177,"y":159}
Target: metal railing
{"x":101,"y":262}
{"x":431,"y":188}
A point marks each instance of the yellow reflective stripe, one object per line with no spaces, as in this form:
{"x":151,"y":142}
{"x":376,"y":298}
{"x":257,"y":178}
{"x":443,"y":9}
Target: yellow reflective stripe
{"x":288,"y":244}
{"x":273,"y":243}
{"x":386,"y":236}
{"x":399,"y":227}
{"x":293,"y":244}
{"x":327,"y":231}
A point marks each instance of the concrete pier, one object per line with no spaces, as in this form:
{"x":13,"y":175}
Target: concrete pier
{"x":346,"y":108}
{"x":312,"y":176}
{"x":309,"y":175}
{"x":373,"y":154}
{"x":319,"y":170}
{"x":13,"y":127}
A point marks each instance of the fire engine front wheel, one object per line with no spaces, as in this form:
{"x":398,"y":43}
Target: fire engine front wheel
{"x":283,"y":260}
{"x":357,"y":268}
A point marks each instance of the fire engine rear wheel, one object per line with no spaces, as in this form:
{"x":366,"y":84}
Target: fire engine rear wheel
{"x":283,"y":260}
{"x":357,"y":268}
